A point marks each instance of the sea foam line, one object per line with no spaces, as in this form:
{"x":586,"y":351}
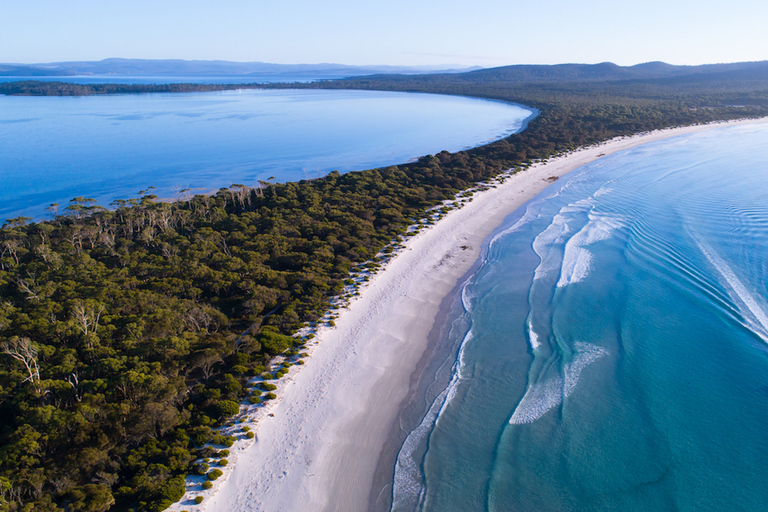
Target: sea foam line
{"x":541,"y":397}
{"x":407,"y":487}
{"x":751,"y":310}
{"x":577,"y":260}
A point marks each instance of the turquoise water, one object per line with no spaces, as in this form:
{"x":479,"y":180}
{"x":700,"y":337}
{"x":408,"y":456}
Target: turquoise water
{"x":613,"y":344}
{"x":53,"y":149}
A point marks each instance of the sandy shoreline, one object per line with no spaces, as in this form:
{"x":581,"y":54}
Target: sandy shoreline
{"x":318,"y":446}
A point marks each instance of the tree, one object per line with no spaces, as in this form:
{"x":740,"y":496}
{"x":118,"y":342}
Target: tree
{"x":24,"y":351}
{"x":86,"y":315}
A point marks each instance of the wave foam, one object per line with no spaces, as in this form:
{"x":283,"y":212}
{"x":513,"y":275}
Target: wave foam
{"x":544,"y":396}
{"x":407,"y":487}
{"x":533,"y":336}
{"x":751,"y":307}
{"x":577,"y":261}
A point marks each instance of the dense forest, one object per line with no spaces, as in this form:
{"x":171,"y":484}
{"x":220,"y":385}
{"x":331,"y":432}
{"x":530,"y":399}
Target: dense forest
{"x":127,"y":335}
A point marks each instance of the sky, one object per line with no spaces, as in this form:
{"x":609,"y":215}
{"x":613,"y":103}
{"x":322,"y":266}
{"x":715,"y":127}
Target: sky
{"x":395,"y":32}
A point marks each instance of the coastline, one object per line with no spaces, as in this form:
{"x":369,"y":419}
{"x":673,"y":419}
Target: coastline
{"x":333,"y":421}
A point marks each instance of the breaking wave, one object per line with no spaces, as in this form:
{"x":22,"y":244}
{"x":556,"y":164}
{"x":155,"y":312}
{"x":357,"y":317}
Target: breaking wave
{"x":544,"y":396}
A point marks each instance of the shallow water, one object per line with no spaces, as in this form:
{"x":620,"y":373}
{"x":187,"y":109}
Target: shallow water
{"x":111,"y":147}
{"x":615,"y":352}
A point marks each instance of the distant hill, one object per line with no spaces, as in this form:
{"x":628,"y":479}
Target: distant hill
{"x":658,"y":72}
{"x":20,"y":70}
{"x":604,"y":72}
{"x":176,"y":67}
{"x":746,"y":83}
{"x":607,"y":71}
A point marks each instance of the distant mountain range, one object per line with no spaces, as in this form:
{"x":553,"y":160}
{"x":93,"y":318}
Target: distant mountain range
{"x":651,"y":72}
{"x":145,"y":67}
{"x":608,"y":71}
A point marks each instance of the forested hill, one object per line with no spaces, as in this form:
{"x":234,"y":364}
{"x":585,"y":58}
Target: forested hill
{"x":128,"y":334}
{"x":604,"y":82}
{"x":608,"y":71}
{"x":651,"y":84}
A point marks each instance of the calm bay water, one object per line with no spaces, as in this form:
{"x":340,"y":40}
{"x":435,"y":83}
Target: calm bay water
{"x":111,"y":147}
{"x":613,"y":344}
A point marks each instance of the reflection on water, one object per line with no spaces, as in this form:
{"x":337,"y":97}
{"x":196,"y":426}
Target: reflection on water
{"x":109,"y":147}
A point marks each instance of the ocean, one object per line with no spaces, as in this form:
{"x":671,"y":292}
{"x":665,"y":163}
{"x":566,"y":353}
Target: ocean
{"x":114,"y":146}
{"x":610,"y":353}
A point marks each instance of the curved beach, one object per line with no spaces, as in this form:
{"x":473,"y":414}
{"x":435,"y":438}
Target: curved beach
{"x":317,"y":446}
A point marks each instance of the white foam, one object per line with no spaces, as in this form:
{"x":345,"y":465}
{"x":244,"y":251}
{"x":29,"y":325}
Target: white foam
{"x":466,"y":297}
{"x":751,"y":306}
{"x":544,"y":243}
{"x":541,"y":397}
{"x":407,"y":490}
{"x":533,"y":336}
{"x":527,"y":217}
{"x":556,"y":235}
{"x":577,"y":263}
{"x":577,"y":260}
{"x":602,"y":191}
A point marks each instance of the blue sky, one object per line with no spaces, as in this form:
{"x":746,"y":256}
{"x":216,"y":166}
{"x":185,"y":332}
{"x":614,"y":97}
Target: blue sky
{"x":396,"y":32}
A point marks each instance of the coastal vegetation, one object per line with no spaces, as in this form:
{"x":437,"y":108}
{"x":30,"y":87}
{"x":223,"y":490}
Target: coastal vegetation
{"x":127,"y":335}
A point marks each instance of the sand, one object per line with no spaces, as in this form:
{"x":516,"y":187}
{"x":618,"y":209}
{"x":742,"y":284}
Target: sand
{"x":317,"y":445}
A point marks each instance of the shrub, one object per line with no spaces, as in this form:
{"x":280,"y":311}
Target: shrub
{"x":246,"y":429}
{"x":207,"y":484}
{"x":221,"y":439}
{"x":225,"y":408}
{"x":266,"y":386}
{"x":224,"y":453}
{"x":270,"y":396}
{"x":272,"y":341}
{"x":207,"y":452}
{"x":198,"y":500}
{"x":201,"y":469}
{"x":256,"y":392}
{"x":214,"y":474}
{"x":250,"y":435}
{"x":254,"y":400}
{"x":223,"y":462}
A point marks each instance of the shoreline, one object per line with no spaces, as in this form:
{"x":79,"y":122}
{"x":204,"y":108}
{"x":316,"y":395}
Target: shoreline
{"x":322,"y":445}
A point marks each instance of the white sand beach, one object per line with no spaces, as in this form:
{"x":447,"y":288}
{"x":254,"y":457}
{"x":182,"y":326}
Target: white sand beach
{"x":317,"y":445}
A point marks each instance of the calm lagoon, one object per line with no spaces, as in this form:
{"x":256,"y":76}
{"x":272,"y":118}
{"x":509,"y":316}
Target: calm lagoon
{"x":111,"y":147}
